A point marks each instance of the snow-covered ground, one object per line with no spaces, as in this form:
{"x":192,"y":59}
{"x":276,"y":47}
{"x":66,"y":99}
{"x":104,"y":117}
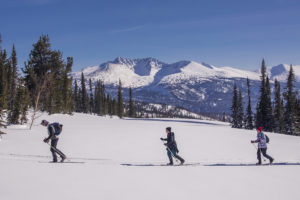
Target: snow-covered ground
{"x":119,"y":155}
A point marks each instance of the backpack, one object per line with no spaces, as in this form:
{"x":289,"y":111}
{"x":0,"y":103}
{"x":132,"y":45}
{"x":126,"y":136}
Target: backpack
{"x":267,"y":139}
{"x":57,"y":128}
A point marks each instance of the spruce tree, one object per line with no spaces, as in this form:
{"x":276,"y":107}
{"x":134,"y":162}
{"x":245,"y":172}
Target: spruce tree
{"x":84,"y":96}
{"x":264,"y":111}
{"x":16,"y":112}
{"x":131,"y":112}
{"x":234,"y":108}
{"x":3,"y":80}
{"x":240,"y":115}
{"x":291,"y":121}
{"x":3,"y":86}
{"x":114,"y":107}
{"x":91,"y":96}
{"x":249,"y":116}
{"x":13,"y":78}
{"x":120,"y":100}
{"x":269,"y":118}
{"x":67,"y":87}
{"x":278,"y":109}
{"x":38,"y":74}
{"x":76,"y":97}
{"x":259,"y":108}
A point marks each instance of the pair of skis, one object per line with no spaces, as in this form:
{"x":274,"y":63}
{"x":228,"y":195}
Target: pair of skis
{"x":67,"y":159}
{"x":176,"y":159}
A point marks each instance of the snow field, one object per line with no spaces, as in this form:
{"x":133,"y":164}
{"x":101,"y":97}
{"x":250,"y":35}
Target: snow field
{"x":105,"y":144}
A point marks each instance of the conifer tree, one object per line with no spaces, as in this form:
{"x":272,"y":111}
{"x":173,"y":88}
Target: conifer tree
{"x":234,"y":108}
{"x":114,"y":107}
{"x":76,"y":97}
{"x":16,"y":112}
{"x":84,"y":96}
{"x":269,"y":118}
{"x":120,"y":100}
{"x":3,"y":80}
{"x":240,"y":115}
{"x":38,"y":74}
{"x":67,"y":86}
{"x":12,"y":83}
{"x":3,"y":86}
{"x":91,"y":96}
{"x":264,"y":111}
{"x":291,"y":121}
{"x":249,"y":116}
{"x":259,"y":109}
{"x":278,"y":109}
{"x":131,"y":105}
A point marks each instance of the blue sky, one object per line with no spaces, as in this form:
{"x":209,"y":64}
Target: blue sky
{"x":236,"y":33}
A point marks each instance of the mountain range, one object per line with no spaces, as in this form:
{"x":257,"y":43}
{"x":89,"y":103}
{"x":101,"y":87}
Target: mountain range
{"x":198,"y":87}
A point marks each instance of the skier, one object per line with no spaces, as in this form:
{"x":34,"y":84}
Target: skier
{"x":262,"y":146}
{"x":171,"y":145}
{"x":54,"y":130}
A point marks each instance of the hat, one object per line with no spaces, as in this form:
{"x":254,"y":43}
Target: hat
{"x":44,"y":122}
{"x":169,"y":129}
{"x":260,"y":129}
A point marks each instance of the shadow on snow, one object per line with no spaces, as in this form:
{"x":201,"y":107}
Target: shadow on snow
{"x":177,"y":120}
{"x":213,"y":165}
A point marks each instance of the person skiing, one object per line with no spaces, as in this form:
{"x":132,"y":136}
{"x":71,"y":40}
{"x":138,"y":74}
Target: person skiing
{"x":54,"y":130}
{"x":171,"y":145}
{"x":262,"y":146}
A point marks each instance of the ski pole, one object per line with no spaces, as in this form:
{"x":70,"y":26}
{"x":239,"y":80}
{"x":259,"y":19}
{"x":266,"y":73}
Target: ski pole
{"x":172,"y":153}
{"x":57,"y":151}
{"x":259,"y":152}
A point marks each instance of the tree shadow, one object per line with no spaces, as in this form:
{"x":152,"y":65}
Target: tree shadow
{"x":176,"y":120}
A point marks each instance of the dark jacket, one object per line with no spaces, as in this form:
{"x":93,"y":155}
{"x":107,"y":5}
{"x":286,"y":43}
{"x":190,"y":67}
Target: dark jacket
{"x":171,"y":143}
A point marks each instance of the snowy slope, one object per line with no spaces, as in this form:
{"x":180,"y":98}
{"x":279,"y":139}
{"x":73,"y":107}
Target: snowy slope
{"x":280,"y":72}
{"x":133,"y":73}
{"x":106,"y":145}
{"x":199,"y":87}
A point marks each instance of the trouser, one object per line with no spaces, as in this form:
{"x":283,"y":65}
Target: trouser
{"x":55,"y":151}
{"x":264,"y":153}
{"x":170,"y":152}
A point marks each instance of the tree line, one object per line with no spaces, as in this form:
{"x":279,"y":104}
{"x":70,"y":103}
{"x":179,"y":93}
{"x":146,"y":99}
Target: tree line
{"x":280,"y":114}
{"x":93,"y":99}
{"x":45,"y":85}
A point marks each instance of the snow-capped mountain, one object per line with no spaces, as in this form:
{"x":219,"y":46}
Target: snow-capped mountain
{"x":199,"y":87}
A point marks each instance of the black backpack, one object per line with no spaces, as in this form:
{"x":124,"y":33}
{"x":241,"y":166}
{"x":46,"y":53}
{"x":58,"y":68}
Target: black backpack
{"x":267,"y":139}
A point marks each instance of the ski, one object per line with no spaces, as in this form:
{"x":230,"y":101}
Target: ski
{"x":159,"y":165}
{"x":66,"y":162}
{"x":251,"y":164}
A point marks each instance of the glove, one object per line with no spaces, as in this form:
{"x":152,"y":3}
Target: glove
{"x":161,"y":138}
{"x":165,"y":144}
{"x":252,"y":141}
{"x":46,"y":140}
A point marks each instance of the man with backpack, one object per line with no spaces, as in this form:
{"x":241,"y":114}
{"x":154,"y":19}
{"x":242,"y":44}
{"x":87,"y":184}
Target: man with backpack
{"x":171,"y":145}
{"x":262,"y":141}
{"x":54,"y":130}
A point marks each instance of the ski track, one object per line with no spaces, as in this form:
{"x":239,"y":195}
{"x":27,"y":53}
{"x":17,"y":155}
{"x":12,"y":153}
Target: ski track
{"x":29,"y":158}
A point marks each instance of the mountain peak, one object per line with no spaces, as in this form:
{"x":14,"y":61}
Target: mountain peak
{"x":121,"y":60}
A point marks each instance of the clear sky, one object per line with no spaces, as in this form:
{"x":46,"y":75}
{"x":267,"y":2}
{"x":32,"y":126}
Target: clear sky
{"x":236,"y":33}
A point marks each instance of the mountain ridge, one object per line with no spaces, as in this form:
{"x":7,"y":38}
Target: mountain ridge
{"x":199,"y":87}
